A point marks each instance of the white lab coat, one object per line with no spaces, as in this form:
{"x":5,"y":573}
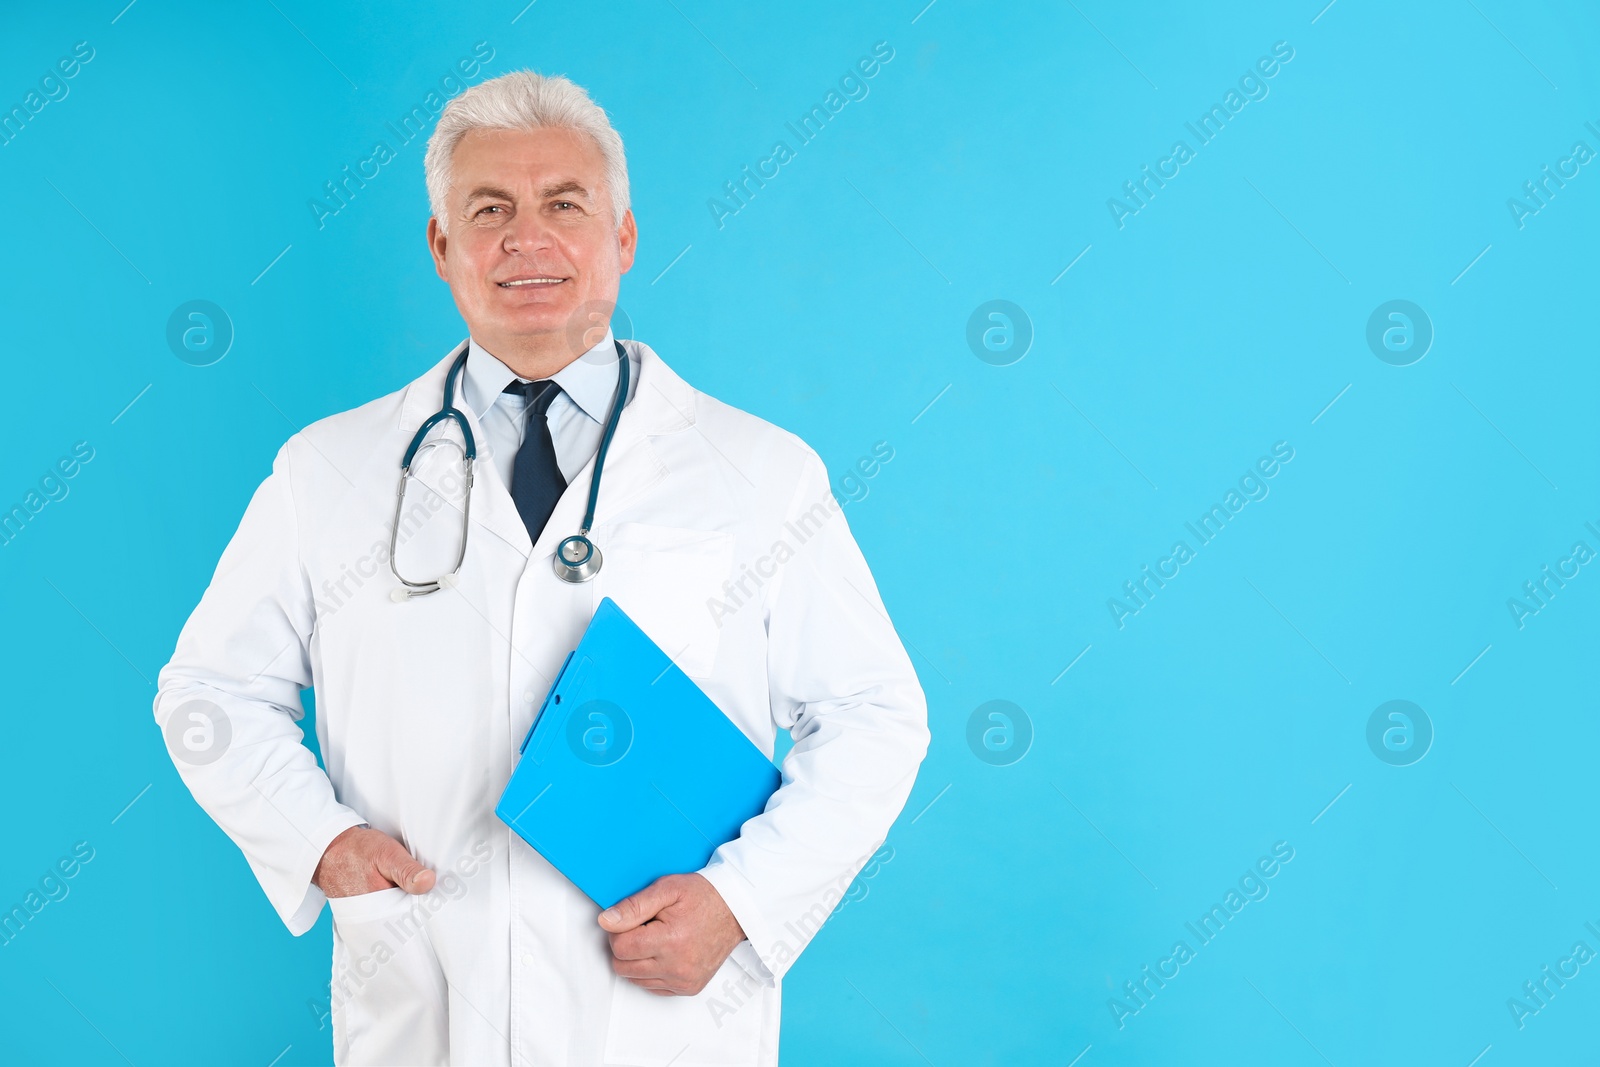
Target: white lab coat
{"x":721,"y":539}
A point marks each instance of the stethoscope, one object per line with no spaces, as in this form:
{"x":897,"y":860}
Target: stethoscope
{"x":577,"y":559}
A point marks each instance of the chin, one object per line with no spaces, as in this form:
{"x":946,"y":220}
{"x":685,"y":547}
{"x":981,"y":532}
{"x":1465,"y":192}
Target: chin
{"x":531,"y":321}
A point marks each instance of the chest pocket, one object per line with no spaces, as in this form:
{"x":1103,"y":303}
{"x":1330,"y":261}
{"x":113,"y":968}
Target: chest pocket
{"x":667,"y":579}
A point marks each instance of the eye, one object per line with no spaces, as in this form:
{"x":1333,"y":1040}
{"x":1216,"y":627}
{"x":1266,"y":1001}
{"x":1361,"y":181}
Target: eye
{"x":488,"y":208}
{"x":565,"y":203}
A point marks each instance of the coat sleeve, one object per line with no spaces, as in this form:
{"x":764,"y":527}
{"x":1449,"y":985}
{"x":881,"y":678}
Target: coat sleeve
{"x":228,"y":704}
{"x":841,"y":683}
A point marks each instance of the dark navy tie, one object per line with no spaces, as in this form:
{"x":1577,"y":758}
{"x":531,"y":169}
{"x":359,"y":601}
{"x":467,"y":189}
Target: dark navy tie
{"x":536,"y":480}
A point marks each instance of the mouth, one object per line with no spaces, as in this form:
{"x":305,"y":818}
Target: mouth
{"x":531,"y":282}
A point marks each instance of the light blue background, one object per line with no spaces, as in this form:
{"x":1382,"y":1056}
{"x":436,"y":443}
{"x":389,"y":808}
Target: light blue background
{"x":1222,"y":318}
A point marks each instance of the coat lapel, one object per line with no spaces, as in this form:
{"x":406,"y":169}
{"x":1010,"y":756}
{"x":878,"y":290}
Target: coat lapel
{"x":492,"y":509}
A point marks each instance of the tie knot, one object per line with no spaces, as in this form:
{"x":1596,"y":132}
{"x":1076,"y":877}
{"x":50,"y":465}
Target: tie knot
{"x":538,"y":395}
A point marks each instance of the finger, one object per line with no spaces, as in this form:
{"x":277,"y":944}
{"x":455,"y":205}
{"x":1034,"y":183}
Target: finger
{"x":638,"y":944}
{"x":402,"y":868}
{"x":653,"y":985}
{"x":638,"y":909}
{"x":645,"y":969}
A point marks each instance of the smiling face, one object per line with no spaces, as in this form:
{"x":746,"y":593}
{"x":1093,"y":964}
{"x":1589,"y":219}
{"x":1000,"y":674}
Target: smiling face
{"x":533,"y":248}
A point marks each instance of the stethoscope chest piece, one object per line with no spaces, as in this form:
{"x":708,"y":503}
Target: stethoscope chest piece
{"x":577,"y":559}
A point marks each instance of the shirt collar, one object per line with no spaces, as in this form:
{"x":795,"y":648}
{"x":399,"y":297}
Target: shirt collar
{"x":590,"y":381}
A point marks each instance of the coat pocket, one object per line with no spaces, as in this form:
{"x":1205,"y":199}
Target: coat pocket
{"x":720,"y":1026}
{"x":668,"y":580}
{"x":388,"y":992}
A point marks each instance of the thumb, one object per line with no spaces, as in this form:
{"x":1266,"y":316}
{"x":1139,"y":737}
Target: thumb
{"x":638,"y":909}
{"x":401,"y":868}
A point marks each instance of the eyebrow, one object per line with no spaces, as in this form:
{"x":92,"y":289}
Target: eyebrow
{"x":495,"y":192}
{"x":571,"y":185}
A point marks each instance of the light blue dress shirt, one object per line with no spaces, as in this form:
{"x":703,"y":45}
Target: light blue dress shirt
{"x":576,"y":417}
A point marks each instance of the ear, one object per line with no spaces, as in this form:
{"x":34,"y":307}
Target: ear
{"x":436,"y":247}
{"x":627,"y":240}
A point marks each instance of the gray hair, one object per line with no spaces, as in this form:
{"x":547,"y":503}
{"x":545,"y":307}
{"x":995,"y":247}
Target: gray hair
{"x":522,"y":100}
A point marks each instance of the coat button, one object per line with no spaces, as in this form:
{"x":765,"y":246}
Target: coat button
{"x":527,"y":696}
{"x":527,"y":959}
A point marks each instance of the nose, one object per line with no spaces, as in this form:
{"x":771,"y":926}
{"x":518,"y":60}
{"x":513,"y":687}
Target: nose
{"x":526,"y":232}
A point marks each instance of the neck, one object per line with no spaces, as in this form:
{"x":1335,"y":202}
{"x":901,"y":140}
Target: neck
{"x":533,"y":356}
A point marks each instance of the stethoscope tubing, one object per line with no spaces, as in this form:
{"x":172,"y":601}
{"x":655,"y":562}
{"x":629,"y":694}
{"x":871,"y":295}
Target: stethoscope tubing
{"x":580,"y":570}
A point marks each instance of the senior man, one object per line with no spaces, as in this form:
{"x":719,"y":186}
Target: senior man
{"x":455,"y":942}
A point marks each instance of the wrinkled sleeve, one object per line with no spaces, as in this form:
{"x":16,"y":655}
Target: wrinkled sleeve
{"x":841,"y":683}
{"x":229,"y":704}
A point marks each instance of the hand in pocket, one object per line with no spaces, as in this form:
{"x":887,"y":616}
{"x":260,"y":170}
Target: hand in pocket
{"x":362,"y":860}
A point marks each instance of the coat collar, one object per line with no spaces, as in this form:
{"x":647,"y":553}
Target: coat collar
{"x":590,"y":381}
{"x":662,"y":403}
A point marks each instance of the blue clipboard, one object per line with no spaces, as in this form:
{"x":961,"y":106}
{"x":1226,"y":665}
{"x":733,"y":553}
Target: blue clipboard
{"x":630,"y":772}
